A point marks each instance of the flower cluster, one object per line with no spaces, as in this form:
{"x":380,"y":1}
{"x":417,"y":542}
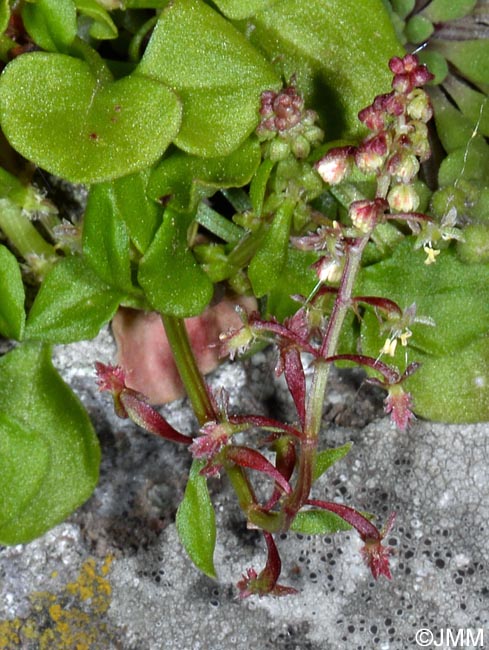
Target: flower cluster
{"x":398,"y":139}
{"x":286,"y":125}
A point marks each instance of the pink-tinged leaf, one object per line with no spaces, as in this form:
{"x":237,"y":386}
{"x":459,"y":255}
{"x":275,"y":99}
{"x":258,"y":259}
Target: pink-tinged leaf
{"x":265,"y":583}
{"x":296,"y":381}
{"x":245,"y":457}
{"x":375,"y":555}
{"x":146,"y":417}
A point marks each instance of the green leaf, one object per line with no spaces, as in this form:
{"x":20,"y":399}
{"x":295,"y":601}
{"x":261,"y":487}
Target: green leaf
{"x":328,"y":457}
{"x":454,"y":387}
{"x":267,"y":265}
{"x":4,"y":15}
{"x":196,"y":523}
{"x":173,"y":281}
{"x":453,"y":129}
{"x":188,"y":179}
{"x":105,"y":238}
{"x":56,"y":113}
{"x":473,"y":104}
{"x":240,"y":9}
{"x":217,"y":74}
{"x":141,"y":215}
{"x":318,"y":522}
{"x":103,"y":26}
{"x":418,"y":29}
{"x":454,"y":294}
{"x":51,"y":23}
{"x":49,"y":453}
{"x":72,"y":304}
{"x":297,"y":278}
{"x":337,"y":50}
{"x":436,"y":63}
{"x":470,"y":162}
{"x":470,"y":57}
{"x":443,"y":10}
{"x":259,"y":184}
{"x":403,"y":7}
{"x":12,"y":296}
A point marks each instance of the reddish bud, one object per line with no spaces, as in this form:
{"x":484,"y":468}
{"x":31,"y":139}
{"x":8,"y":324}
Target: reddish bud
{"x":366,"y":214}
{"x":335,"y":165}
{"x":398,"y":404}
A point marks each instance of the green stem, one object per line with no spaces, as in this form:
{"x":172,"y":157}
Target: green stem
{"x":187,"y":367}
{"x":21,"y":233}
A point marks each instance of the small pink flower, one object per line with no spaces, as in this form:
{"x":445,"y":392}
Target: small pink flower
{"x":110,"y":378}
{"x":214,"y":437}
{"x":399,"y":404}
{"x":375,"y":555}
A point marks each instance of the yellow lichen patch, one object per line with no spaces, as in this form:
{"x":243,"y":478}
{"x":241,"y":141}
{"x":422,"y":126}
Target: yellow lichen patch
{"x":9,"y":634}
{"x":69,"y":620}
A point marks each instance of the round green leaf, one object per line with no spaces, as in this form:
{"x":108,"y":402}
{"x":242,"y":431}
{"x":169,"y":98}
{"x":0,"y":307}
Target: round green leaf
{"x":49,"y":454}
{"x":218,"y":75}
{"x":12,"y":296}
{"x":55,"y":112}
{"x":418,"y":29}
{"x":24,"y":463}
{"x":50,"y":23}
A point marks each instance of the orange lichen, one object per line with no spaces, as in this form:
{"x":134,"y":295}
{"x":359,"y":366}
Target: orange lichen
{"x":69,"y":620}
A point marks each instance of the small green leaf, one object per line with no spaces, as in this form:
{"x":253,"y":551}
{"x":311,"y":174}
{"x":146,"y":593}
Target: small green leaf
{"x":49,"y":453}
{"x":103,"y":26}
{"x":454,"y":387}
{"x":56,"y":113}
{"x":267,"y":265}
{"x":188,"y":179}
{"x":439,"y":11}
{"x":470,"y":57}
{"x":470,"y":162}
{"x":403,"y":7}
{"x":72,"y":304}
{"x":196,"y":523}
{"x":297,"y":278}
{"x":217,"y":74}
{"x":328,"y":457}
{"x":418,"y":29}
{"x":337,"y":51}
{"x":105,"y":238}
{"x":436,"y":63}
{"x":4,"y":15}
{"x":259,"y":184}
{"x":51,"y":23}
{"x":12,"y":296}
{"x":473,"y":104}
{"x":318,"y":522}
{"x":169,"y":274}
{"x":141,"y":215}
{"x":453,"y":129}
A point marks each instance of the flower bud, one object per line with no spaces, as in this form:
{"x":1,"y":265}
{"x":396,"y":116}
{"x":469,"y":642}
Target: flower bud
{"x":371,"y":154}
{"x":419,"y":106}
{"x":366,"y":214}
{"x":335,"y":165}
{"x":404,"y":167}
{"x":403,"y":198}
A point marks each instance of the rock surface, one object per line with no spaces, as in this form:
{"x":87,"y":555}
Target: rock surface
{"x":115,"y":577}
